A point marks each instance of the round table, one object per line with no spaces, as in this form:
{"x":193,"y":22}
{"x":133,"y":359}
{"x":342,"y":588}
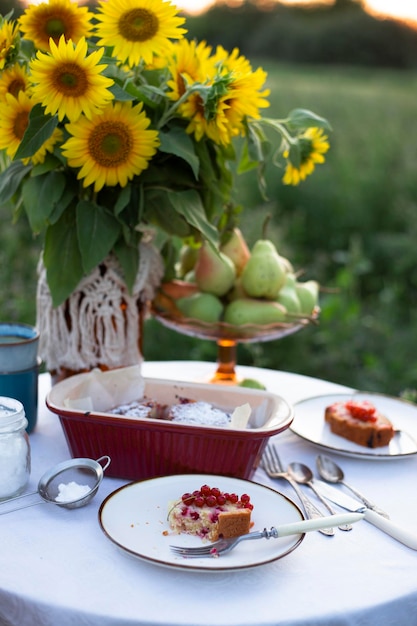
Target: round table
{"x":58,"y":568}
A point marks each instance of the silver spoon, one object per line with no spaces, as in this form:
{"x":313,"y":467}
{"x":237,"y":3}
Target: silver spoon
{"x":332,"y":473}
{"x":302,"y":474}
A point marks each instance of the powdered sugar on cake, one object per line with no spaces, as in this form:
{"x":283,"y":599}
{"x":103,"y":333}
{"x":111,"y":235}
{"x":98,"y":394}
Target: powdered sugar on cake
{"x":201,"y":413}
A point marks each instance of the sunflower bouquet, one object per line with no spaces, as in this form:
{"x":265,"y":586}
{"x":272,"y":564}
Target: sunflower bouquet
{"x":113,"y":124}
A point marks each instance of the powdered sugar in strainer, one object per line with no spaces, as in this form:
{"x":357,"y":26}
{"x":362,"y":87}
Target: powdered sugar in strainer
{"x":70,"y":484}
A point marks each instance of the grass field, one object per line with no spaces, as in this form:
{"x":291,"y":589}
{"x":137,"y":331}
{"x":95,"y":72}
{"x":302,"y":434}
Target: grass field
{"x":352,"y":226}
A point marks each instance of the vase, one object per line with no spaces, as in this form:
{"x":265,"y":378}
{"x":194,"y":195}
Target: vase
{"x":100,"y":325}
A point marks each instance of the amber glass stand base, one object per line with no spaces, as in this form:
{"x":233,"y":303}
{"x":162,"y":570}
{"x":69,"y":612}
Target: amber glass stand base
{"x":226,"y":363}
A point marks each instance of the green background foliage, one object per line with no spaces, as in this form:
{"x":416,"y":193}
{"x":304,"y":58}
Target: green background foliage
{"x":352,"y":225}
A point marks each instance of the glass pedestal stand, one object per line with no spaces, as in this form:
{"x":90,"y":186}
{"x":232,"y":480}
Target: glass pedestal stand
{"x":227,"y":338}
{"x":226,"y":363}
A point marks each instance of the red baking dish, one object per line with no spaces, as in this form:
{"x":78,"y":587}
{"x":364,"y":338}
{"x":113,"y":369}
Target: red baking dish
{"x":144,"y":448}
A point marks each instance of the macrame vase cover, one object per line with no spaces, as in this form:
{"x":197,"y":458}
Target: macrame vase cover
{"x":100,"y":323}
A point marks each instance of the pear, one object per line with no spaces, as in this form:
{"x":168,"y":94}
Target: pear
{"x":288,"y":297}
{"x":237,"y":250}
{"x":287,"y":264}
{"x":264,"y":274}
{"x":308,"y":295}
{"x":187,"y":260}
{"x":201,"y":306}
{"x":214,"y":272}
{"x":237,"y":290}
{"x":251,"y":311}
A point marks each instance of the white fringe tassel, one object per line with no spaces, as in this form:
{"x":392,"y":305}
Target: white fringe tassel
{"x":99,"y":324}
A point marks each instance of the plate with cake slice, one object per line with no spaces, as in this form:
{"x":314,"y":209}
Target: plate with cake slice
{"x":360,"y":424}
{"x":143,"y":519}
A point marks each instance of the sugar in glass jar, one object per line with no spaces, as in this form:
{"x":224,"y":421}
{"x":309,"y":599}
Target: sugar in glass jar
{"x":14,"y":448}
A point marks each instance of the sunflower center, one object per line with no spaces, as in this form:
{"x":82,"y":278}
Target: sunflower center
{"x":110,"y":144}
{"x":71,"y":79}
{"x":138,"y":25}
{"x":20,"y":124}
{"x":15,"y":86}
{"x":55,"y":27}
{"x":305,"y":149}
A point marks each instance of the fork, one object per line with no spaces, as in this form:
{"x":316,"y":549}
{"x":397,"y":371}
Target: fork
{"x":273,"y":467}
{"x":283,"y":530}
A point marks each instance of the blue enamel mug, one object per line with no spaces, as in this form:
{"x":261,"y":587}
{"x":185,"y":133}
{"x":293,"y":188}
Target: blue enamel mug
{"x":19,"y":367}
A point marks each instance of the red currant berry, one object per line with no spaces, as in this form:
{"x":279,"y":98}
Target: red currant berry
{"x":187,"y":498}
{"x":245,"y":498}
{"x":221,"y":499}
{"x":211,"y":500}
{"x":215,"y":492}
{"x":199,"y":501}
{"x":233,"y":498}
{"x":196,"y":493}
{"x":205,"y":490}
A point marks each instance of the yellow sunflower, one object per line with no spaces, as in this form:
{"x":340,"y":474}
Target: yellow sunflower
{"x":42,"y":21}
{"x":111,"y":148}
{"x":138,"y":29}
{"x":236,"y":93}
{"x":187,"y":64}
{"x":313,"y":145}
{"x":14,"y":119}
{"x":8,"y":35}
{"x":68,"y":82}
{"x":246,"y":87}
{"x":216,"y":128}
{"x":13,"y":80}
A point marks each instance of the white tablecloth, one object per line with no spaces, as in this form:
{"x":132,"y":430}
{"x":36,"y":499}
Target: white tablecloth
{"x":58,"y":568}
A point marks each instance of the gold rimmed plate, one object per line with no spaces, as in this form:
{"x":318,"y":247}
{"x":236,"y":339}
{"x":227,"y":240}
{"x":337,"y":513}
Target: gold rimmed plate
{"x":134,"y":518}
{"x":309,"y":424}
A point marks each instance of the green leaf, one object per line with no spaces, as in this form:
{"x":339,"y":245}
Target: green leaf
{"x":62,"y":258}
{"x":64,"y":202}
{"x":300,"y":119}
{"x":41,"y":195}
{"x":120,"y":94}
{"x":123,"y":199}
{"x":50,"y":163}
{"x":160,"y":212}
{"x":128,"y":257}
{"x":97,"y":231}
{"x":40,"y":128}
{"x":177,"y":142}
{"x":11,"y":178}
{"x":189,"y":205}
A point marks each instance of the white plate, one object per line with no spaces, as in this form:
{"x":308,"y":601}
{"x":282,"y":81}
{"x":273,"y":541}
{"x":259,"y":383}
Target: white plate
{"x":309,"y":424}
{"x":134,"y":517}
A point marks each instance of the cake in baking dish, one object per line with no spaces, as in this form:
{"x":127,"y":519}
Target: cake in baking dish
{"x":360,"y":422}
{"x":186,"y":411}
{"x":210,"y":513}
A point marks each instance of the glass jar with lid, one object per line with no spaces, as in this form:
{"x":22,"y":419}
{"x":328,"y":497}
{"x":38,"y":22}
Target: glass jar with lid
{"x":14,"y":448}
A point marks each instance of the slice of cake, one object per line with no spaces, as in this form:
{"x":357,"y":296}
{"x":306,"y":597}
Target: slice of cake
{"x":210,"y":513}
{"x":360,"y":422}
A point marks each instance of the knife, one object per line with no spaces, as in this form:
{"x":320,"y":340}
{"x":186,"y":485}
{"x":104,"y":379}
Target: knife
{"x":403,"y":535}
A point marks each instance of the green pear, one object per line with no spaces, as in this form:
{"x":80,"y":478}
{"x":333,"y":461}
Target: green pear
{"x":308,"y":295}
{"x":214,"y":272}
{"x":237,"y":290}
{"x":287,"y":264}
{"x":290,"y":280}
{"x":264,"y":273}
{"x":288,"y":297}
{"x":187,"y":260}
{"x":251,"y":311}
{"x":237,"y":250}
{"x":201,"y":306}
